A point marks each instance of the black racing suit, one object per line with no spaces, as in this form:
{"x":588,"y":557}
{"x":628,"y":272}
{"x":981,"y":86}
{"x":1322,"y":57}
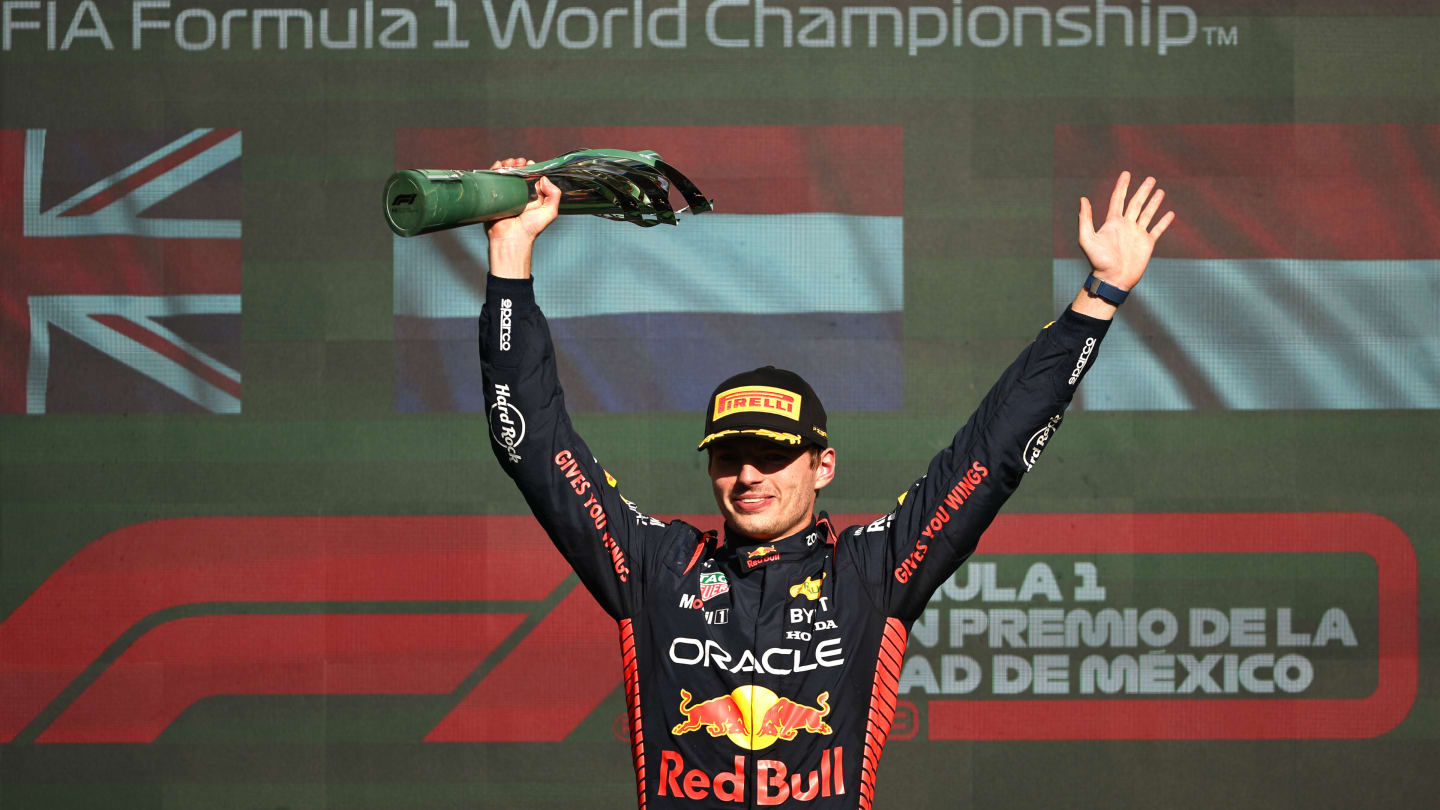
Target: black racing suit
{"x":761,"y":674}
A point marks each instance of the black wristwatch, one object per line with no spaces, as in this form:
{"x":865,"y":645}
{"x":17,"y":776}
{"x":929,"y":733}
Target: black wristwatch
{"x":1109,"y":292}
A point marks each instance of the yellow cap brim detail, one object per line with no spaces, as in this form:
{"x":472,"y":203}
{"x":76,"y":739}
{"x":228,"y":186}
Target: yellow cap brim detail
{"x":773,"y":435}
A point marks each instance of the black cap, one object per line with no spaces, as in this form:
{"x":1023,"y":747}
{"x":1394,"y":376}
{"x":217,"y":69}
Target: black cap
{"x":767,"y":403}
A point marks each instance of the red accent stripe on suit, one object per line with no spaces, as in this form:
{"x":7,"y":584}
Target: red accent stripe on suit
{"x":882,"y":705}
{"x":632,"y":701}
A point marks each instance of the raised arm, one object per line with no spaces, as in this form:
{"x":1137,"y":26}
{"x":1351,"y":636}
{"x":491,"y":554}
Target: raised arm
{"x":575,"y":500}
{"x":938,"y":523}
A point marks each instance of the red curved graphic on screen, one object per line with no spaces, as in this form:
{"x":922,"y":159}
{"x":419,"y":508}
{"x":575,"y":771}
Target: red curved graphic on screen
{"x":532,"y":695}
{"x":335,"y":654}
{"x":129,"y":574}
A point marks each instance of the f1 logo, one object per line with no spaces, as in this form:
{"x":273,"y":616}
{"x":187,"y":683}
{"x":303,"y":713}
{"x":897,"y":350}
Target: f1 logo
{"x":187,"y":609}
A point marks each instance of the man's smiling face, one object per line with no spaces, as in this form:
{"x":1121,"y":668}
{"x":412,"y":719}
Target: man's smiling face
{"x":766,"y":491}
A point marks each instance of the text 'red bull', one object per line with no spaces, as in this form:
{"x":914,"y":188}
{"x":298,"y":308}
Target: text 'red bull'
{"x":774,"y":783}
{"x":761,"y":555}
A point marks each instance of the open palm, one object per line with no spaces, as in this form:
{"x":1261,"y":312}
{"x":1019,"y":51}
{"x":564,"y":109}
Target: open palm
{"x":1121,"y":249}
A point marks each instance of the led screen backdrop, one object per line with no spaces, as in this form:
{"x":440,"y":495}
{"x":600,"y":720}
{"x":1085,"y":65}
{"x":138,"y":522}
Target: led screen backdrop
{"x":255,"y":550}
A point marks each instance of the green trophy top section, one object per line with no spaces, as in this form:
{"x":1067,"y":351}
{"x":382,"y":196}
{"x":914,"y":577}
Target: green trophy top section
{"x":612,"y":183}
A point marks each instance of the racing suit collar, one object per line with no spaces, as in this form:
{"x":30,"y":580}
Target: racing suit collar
{"x":750,"y":555}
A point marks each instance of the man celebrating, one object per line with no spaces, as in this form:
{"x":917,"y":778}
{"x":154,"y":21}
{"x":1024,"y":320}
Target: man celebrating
{"x":761,"y":666}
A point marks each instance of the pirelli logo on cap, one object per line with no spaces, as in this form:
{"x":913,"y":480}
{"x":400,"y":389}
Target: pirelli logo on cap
{"x":757,"y":399}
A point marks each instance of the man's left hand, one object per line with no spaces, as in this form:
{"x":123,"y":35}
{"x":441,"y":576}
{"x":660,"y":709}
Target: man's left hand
{"x":1120,"y":250}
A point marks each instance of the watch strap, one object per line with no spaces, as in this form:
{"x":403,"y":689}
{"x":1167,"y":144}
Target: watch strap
{"x":1109,"y":292}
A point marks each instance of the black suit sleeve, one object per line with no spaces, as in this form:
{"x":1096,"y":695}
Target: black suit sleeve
{"x":914,"y":549}
{"x":601,"y":534}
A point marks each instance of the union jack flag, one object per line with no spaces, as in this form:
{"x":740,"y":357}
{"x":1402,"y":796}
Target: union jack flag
{"x":120,"y":263}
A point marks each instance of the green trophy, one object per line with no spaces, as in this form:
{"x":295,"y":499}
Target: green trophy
{"x":611,"y":183}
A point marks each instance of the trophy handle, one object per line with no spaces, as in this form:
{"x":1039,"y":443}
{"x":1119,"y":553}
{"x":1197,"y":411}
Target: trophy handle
{"x":425,"y":200}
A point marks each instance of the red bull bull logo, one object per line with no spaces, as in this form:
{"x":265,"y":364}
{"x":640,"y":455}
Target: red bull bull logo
{"x":720,"y":716}
{"x":762,"y":555}
{"x":753,"y":717}
{"x":786,"y":717}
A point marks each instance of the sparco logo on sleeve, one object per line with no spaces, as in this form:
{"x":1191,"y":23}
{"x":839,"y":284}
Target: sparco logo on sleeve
{"x":507,"y":424}
{"x":505,"y":325}
{"x":1079,"y":364}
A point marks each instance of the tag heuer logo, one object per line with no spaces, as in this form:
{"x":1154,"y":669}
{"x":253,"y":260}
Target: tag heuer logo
{"x":712,"y":585}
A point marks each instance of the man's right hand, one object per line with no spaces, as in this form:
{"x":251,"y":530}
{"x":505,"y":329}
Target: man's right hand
{"x":512,"y":239}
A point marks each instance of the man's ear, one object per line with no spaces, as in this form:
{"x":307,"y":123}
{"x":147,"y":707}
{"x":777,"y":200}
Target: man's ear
{"x":825,"y":468}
